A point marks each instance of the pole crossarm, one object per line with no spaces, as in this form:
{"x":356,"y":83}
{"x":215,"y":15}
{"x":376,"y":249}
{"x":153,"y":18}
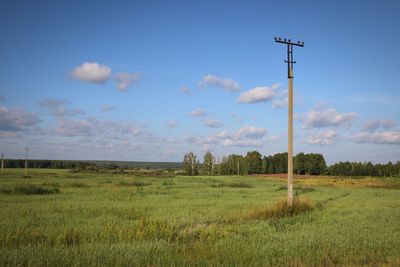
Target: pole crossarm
{"x":288,"y":41}
{"x":289,"y":60}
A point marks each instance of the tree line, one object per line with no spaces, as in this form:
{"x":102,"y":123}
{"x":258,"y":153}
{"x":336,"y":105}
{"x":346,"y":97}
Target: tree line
{"x":365,"y":169}
{"x":251,"y":163}
{"x":41,"y":163}
{"x":90,"y":164}
{"x":303,"y":164}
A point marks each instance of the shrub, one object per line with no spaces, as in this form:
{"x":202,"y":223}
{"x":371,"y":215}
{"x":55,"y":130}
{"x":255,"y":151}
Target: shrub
{"x":51,"y":183}
{"x":31,"y":189}
{"x":135,"y":183}
{"x":5,"y":191}
{"x":78,"y":185}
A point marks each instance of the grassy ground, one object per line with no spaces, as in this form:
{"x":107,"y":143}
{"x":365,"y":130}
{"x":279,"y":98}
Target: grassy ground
{"x":116,"y":219}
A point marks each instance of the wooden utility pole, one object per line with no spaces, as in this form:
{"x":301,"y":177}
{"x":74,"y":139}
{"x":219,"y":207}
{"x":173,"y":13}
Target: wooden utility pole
{"x":290,"y":63}
{"x":290,"y":139}
{"x":26,"y":160}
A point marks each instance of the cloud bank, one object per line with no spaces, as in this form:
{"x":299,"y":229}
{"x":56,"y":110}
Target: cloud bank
{"x":324,"y":137}
{"x":16,"y":119}
{"x":390,"y":138}
{"x":326,"y":117}
{"x":374,"y":125}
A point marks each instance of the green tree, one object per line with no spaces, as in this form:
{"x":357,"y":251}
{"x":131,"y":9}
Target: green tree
{"x":208,"y":163}
{"x":300,"y":163}
{"x":254,"y":162}
{"x":191,"y":164}
{"x":233,"y":165}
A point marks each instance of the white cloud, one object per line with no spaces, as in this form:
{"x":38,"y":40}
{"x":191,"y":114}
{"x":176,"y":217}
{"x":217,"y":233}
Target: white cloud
{"x":374,"y":125}
{"x":324,"y":137}
{"x":256,"y":95}
{"x":185,"y":90}
{"x":223,"y":82}
{"x":245,"y":136}
{"x":16,"y":119}
{"x":92,"y":72}
{"x":124,"y":80}
{"x":250,"y":132}
{"x":198,"y":113}
{"x":242,"y":143}
{"x":246,"y":132}
{"x":320,"y":118}
{"x":388,"y":137}
{"x":213,"y":123}
{"x":222,"y":135}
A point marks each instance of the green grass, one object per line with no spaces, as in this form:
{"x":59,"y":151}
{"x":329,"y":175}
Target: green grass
{"x":119,"y":220}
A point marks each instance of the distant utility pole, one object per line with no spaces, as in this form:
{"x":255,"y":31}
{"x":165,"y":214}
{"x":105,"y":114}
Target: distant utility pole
{"x":2,"y":162}
{"x":26,"y":160}
{"x":290,"y":63}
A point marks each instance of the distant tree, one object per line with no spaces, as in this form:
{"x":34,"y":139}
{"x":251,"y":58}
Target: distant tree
{"x":233,"y":165}
{"x":208,"y":163}
{"x":191,"y":164}
{"x":397,"y":168}
{"x":300,"y":163}
{"x":389,"y":169}
{"x":254,"y":162}
{"x":264,"y":166}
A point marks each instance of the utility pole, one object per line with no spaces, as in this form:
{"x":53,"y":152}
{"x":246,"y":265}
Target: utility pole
{"x":26,"y":160}
{"x":290,"y":63}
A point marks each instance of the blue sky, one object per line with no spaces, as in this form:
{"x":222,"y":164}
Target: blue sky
{"x":151,"y":80}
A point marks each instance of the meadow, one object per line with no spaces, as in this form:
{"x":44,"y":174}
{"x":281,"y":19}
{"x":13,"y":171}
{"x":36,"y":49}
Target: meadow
{"x":62,"y":218}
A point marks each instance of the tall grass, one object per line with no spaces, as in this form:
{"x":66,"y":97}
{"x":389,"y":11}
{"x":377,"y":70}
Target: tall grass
{"x":281,"y":209}
{"x":31,"y":189}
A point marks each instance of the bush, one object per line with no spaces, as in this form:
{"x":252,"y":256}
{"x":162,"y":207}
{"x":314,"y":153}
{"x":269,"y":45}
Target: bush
{"x":5,"y":191}
{"x":135,"y":183}
{"x":31,"y":189}
{"x":78,"y":185}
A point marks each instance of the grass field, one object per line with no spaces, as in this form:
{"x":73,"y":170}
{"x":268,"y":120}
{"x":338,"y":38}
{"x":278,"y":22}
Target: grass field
{"x":55,"y":217}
